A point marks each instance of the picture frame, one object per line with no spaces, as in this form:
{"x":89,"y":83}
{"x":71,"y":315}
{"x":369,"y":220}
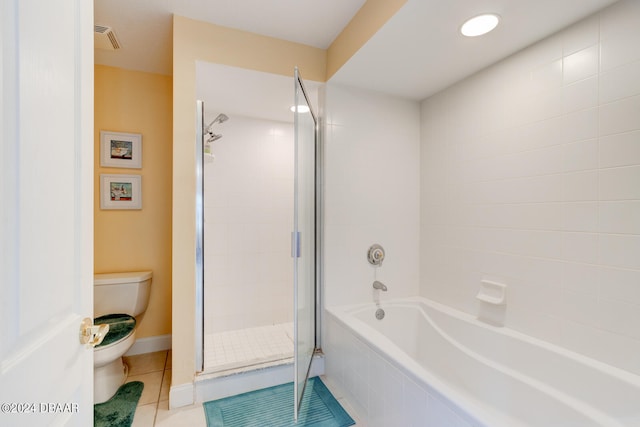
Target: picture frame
{"x":120,"y":150}
{"x":120,"y":191}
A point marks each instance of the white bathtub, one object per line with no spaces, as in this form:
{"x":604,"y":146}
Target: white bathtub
{"x":425,"y":364}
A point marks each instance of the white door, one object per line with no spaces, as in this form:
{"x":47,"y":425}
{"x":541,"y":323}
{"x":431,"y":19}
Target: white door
{"x":46,"y":199}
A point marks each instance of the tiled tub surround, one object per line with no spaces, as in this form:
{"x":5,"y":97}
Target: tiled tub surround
{"x":428,"y":364}
{"x":531,"y":177}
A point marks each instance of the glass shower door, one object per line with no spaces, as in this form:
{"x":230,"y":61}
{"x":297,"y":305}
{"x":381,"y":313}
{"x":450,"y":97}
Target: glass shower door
{"x":304,"y":239}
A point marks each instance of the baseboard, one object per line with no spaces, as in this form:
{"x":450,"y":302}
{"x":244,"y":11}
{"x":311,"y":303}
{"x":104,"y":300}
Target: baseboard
{"x":150,"y":344}
{"x":181,"y":395}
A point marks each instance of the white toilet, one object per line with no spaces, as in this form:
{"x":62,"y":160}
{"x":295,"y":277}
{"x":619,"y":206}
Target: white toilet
{"x":118,"y":299}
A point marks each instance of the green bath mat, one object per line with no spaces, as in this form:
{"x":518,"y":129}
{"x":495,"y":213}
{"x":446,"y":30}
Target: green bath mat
{"x":119,"y":410}
{"x":273,"y":407}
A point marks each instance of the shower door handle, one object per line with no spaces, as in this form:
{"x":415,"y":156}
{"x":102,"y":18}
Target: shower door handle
{"x":295,"y":244}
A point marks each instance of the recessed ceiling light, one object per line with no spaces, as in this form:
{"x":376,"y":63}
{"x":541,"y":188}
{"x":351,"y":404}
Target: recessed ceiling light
{"x":480,"y":25}
{"x":301,"y":109}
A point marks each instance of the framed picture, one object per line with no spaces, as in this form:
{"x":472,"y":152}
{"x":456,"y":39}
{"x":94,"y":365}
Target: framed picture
{"x":120,"y":191}
{"x":120,"y":150}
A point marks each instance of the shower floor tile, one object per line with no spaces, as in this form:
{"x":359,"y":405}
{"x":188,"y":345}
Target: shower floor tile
{"x":246,"y":347}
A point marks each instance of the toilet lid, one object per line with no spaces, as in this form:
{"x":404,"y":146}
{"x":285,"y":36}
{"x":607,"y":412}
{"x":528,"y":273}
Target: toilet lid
{"x":120,"y":327}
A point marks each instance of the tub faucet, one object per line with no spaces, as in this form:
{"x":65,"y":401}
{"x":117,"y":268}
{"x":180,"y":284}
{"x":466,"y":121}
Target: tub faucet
{"x":379,"y":285}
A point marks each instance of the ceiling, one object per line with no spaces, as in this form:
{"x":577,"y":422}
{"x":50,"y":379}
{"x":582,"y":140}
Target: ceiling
{"x":418,"y":52}
{"x":143,"y":27}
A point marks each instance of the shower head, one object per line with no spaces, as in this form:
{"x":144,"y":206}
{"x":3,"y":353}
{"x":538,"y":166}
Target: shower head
{"x":214,"y":137}
{"x":221,"y":118}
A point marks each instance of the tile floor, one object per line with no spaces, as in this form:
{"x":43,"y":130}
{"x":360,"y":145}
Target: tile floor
{"x":154,"y":370}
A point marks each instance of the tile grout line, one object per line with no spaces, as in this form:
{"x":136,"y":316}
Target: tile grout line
{"x":164,"y":372}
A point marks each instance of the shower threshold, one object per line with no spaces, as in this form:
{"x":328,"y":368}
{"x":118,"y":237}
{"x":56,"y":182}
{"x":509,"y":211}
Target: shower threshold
{"x":232,"y":352}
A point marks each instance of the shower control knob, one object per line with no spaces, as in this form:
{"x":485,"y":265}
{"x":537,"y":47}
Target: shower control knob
{"x":375,"y":255}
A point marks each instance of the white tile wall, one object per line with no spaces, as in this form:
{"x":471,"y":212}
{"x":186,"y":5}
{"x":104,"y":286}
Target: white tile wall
{"x":372,"y":178}
{"x":531,"y":175}
{"x":620,"y":149}
{"x":248,"y":222}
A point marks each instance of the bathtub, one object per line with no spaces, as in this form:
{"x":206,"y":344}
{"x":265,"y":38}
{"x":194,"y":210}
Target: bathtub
{"x":425,"y":364}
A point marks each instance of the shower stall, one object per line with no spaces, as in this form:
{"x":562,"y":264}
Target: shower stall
{"x":257,"y":197}
{"x":247,"y":184}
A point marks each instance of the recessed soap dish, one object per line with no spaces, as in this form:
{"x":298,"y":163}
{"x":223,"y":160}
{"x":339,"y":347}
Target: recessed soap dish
{"x":492,"y":292}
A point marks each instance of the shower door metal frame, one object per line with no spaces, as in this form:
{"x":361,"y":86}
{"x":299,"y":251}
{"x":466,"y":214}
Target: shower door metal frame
{"x":199,"y":238}
{"x":318,"y":239}
{"x":199,"y":247}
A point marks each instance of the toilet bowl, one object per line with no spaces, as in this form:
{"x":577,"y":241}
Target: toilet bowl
{"x":119,"y":300}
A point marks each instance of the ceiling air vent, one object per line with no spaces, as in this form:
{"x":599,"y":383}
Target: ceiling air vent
{"x":105,"y":38}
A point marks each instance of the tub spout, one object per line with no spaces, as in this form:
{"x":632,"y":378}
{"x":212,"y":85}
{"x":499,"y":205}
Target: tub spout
{"x":379,"y":285}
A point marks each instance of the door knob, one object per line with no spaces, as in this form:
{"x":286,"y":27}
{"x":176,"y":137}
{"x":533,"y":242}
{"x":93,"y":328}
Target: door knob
{"x":92,"y":335}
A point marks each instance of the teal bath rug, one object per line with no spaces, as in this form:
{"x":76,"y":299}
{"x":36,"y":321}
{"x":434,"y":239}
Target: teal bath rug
{"x":273,"y":407}
{"x":119,"y":410}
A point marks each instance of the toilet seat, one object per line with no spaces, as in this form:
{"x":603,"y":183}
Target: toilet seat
{"x":121,"y":326}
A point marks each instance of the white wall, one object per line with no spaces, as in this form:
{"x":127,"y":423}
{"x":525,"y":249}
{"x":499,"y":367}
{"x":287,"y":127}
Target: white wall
{"x":372,"y":151}
{"x":248,"y":221}
{"x":531,"y":176}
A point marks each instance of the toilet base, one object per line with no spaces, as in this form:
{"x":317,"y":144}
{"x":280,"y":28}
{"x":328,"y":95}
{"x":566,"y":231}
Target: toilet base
{"x":107,"y":379}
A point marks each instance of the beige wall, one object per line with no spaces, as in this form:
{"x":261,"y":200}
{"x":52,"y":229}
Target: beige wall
{"x":138,"y":102}
{"x":199,"y":41}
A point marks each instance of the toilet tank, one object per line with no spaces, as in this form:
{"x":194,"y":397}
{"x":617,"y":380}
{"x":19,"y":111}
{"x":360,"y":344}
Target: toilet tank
{"x":121,"y":293}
